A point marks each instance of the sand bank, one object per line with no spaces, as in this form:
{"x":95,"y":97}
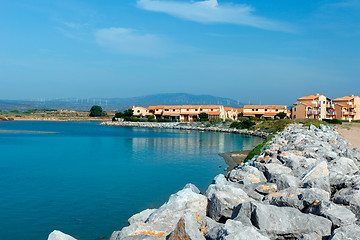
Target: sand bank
{"x":351,"y":133}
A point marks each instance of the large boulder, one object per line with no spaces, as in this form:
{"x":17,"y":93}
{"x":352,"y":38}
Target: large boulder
{"x":317,"y":177}
{"x":351,"y":232}
{"x":247,"y":175}
{"x":57,"y":235}
{"x":343,"y":166}
{"x":187,"y":229}
{"x":275,"y":168}
{"x":287,"y":222}
{"x":223,"y":197}
{"x":235,"y":230}
{"x":141,"y":216}
{"x":163,"y":221}
{"x":349,"y":196}
{"x":284,"y":181}
{"x":338,"y":215}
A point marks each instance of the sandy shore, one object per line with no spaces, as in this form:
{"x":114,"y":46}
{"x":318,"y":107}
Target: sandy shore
{"x":233,"y":159}
{"x":351,"y":133}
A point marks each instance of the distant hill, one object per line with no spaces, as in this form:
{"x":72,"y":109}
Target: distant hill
{"x":116,"y":104}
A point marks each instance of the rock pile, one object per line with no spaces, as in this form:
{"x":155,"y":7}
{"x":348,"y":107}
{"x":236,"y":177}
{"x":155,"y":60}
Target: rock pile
{"x":304,"y":185}
{"x":191,"y":126}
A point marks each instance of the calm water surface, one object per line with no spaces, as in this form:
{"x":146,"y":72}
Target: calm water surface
{"x":87,"y":180}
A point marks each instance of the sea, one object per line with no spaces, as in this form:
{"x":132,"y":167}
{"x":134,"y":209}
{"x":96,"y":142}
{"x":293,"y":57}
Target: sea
{"x":86,"y":180}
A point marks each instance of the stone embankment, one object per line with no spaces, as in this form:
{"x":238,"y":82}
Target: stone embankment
{"x":304,"y":185}
{"x":181,"y":126}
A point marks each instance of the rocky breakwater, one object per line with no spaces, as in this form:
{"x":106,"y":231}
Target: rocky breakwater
{"x":186,"y":126}
{"x":305,"y":184}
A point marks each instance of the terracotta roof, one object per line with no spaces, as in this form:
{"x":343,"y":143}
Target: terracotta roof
{"x":210,"y":106}
{"x":346,"y":98}
{"x":301,"y":103}
{"x":310,"y":97}
{"x":171,"y":114}
{"x":240,"y":110}
{"x":228,"y":108}
{"x":140,"y":107}
{"x":341,"y":105}
{"x":214,"y":113}
{"x":264,"y":107}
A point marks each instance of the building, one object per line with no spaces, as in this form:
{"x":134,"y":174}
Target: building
{"x":263,"y":111}
{"x":140,"y":111}
{"x":187,"y":112}
{"x":347,"y":108}
{"x":313,"y":106}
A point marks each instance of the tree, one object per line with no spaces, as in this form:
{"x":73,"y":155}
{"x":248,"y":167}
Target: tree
{"x":128,"y":114}
{"x":97,"y":111}
{"x":281,"y":115}
{"x":204,"y":117}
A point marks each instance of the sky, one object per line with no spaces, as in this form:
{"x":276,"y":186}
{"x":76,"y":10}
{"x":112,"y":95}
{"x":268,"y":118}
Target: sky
{"x":254,"y":51}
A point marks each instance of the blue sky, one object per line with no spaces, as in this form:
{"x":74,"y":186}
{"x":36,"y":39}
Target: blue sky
{"x":255,"y":51}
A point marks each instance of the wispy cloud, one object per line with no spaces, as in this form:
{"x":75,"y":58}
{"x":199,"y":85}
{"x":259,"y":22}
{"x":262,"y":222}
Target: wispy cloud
{"x":131,"y":42}
{"x":209,"y":11}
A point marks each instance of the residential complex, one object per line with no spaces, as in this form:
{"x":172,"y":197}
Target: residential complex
{"x":190,"y":113}
{"x":263,"y":111}
{"x":321,"y":107}
{"x":313,"y":106}
{"x":347,"y":108}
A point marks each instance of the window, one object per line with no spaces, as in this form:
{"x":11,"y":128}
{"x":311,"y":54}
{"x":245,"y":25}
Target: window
{"x":265,"y":110}
{"x":257,"y":109}
{"x":212,"y":109}
{"x":166,"y":110}
{"x":295,"y":109}
{"x":196,"y":110}
{"x":277,"y":110}
{"x":253,"y":109}
{"x":173,"y":110}
{"x":138,"y":111}
{"x":187,"y":109}
{"x":323,"y":102}
{"x":200,"y":109}
{"x":294,"y":116}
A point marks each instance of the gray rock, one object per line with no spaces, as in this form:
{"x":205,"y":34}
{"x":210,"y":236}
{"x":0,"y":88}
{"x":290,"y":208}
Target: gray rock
{"x":351,"y":232}
{"x":338,"y":215}
{"x":141,"y":216}
{"x":187,"y":229}
{"x":351,"y":197}
{"x":284,"y":181}
{"x":266,"y":188}
{"x":223,"y":198}
{"x":310,"y":236}
{"x":234,"y":230}
{"x":57,"y":235}
{"x":163,"y":221}
{"x":192,"y":187}
{"x":343,"y":166}
{"x":286,"y":222}
{"x":247,"y":175}
{"x":317,"y":177}
{"x":275,"y":168}
{"x":251,"y":192}
{"x":298,"y":164}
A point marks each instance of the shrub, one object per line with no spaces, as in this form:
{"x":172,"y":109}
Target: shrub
{"x":332,"y":121}
{"x":151,"y":118}
{"x":204,"y":117}
{"x":281,"y":115}
{"x":143,"y":119}
{"x":163,"y":120}
{"x":216,"y":121}
{"x":235,"y":125}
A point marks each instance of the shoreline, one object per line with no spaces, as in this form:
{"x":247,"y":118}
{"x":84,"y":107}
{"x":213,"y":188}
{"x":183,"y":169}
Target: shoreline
{"x":234,"y":158}
{"x":180,"y":126}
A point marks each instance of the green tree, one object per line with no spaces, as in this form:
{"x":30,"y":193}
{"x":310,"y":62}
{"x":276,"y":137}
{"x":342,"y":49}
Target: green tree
{"x":204,"y":117}
{"x":281,"y":115}
{"x":128,"y":114}
{"x":97,"y":111}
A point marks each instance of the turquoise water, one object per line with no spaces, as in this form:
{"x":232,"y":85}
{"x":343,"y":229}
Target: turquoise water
{"x":87,"y":180}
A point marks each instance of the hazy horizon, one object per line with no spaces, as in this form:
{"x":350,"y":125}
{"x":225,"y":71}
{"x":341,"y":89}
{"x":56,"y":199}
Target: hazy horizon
{"x":251,"y":51}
